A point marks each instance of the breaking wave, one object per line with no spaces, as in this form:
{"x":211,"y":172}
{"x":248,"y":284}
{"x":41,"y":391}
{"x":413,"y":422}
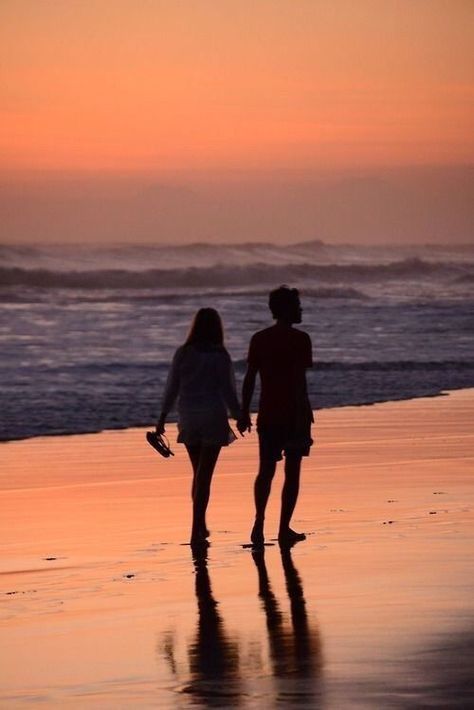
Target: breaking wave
{"x":386,"y":366}
{"x":223,"y":276}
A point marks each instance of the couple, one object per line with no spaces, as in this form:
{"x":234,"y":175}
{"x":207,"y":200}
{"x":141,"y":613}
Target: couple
{"x":201,"y":378}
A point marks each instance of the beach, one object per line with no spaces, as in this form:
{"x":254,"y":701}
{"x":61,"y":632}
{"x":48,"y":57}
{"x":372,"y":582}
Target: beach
{"x":103,"y":605}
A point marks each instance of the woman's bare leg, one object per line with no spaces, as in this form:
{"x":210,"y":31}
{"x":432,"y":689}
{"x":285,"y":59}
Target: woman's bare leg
{"x":201,"y":490}
{"x":194,"y":453}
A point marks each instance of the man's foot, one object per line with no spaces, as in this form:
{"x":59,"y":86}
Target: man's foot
{"x":204,"y":531}
{"x":290,"y":537}
{"x":256,"y":535}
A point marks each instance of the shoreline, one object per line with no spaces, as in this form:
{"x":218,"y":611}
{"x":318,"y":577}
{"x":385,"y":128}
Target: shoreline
{"x":173,"y":419}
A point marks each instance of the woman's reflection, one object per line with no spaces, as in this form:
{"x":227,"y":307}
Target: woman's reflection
{"x":214,"y":672}
{"x":295,"y":647}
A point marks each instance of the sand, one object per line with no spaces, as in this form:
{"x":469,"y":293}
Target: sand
{"x":102,"y":605}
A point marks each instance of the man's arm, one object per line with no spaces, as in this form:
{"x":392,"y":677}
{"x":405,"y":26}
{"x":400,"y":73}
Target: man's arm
{"x":248,"y":387}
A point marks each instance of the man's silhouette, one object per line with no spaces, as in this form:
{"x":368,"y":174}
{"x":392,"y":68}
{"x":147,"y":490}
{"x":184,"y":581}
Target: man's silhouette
{"x":280,"y":354}
{"x":295,"y":648}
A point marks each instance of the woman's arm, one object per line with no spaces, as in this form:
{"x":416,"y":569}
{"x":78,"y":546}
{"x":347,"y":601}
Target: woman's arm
{"x":229,"y":391}
{"x":171,"y":391}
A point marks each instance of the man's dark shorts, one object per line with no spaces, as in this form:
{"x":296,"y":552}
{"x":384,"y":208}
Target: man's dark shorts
{"x":274,"y":441}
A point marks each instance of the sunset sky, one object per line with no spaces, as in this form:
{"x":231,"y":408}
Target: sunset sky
{"x":191,"y":91}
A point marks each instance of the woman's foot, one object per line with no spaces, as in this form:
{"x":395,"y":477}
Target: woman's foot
{"x":290,"y":537}
{"x":199,"y":531}
{"x":198,"y":542}
{"x":256,"y":536}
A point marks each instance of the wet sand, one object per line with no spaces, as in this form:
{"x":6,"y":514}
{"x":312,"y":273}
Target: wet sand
{"x":103,"y":606}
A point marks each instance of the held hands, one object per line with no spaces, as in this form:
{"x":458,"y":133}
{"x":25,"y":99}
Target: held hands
{"x":244,"y":423}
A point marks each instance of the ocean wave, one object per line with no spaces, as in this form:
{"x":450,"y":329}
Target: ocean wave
{"x":223,"y":276}
{"x":12,"y":295}
{"x":142,"y":257}
{"x":466,"y":279}
{"x":397,"y":365}
{"x":373,"y":365}
{"x":381,"y":365}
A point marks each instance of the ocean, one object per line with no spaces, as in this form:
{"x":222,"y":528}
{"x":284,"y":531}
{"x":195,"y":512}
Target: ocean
{"x":88,"y":332}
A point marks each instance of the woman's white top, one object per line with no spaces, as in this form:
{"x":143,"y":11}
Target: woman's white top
{"x":202,"y":381}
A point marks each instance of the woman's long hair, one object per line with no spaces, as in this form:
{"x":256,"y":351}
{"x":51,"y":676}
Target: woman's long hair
{"x":206,"y":328}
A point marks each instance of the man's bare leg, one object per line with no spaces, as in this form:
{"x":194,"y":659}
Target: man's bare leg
{"x":289,"y":496}
{"x":262,"y":488}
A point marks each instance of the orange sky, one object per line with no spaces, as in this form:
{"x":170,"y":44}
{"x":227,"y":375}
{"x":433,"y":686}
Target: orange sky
{"x":202,"y":84}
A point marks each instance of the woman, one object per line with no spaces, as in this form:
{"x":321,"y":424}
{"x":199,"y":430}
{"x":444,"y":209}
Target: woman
{"x":202,"y":379}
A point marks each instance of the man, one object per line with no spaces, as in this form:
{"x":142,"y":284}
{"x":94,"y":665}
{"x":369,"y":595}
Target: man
{"x":280,"y":354}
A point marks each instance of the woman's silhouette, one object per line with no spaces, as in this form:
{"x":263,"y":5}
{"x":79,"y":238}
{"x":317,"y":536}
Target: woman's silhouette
{"x":213,"y":678}
{"x":214,"y":654}
{"x":201,"y":378}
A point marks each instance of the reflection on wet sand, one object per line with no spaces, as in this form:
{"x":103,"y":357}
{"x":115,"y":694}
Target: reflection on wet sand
{"x":213,"y":654}
{"x":295,"y":647}
{"x":435,"y":673}
{"x":218,"y":671}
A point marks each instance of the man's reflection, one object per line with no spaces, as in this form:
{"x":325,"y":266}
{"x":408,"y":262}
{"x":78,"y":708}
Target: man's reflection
{"x":295,"y":647}
{"x":214,"y":672}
